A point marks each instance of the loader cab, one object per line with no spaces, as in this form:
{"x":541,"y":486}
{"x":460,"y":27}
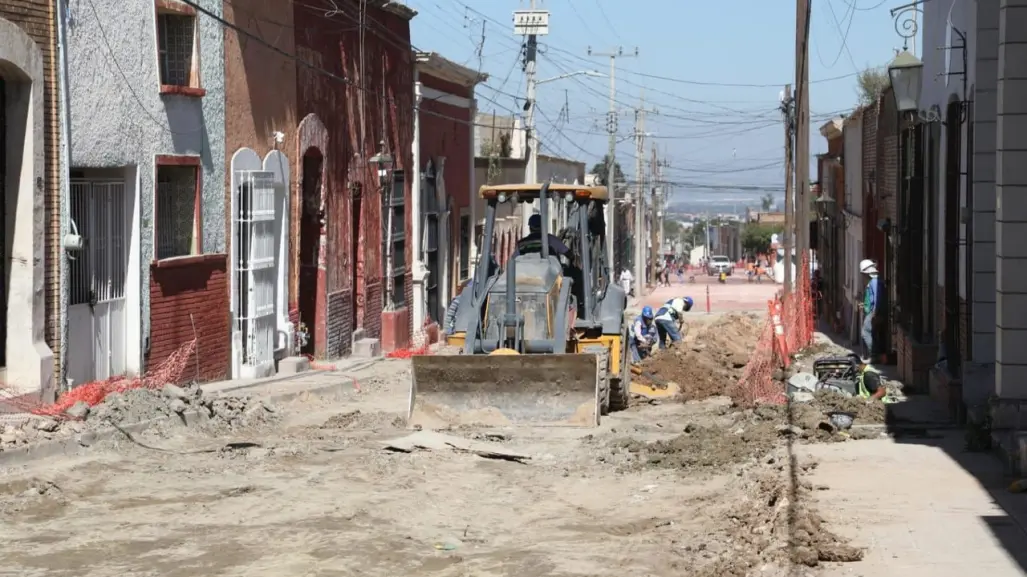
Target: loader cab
{"x":551,"y":302}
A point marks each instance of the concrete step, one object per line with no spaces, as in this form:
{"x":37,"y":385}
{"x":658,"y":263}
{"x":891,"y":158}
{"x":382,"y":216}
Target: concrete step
{"x":293,"y":365}
{"x":367,"y":348}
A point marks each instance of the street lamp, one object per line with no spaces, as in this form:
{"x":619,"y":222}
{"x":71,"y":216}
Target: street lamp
{"x":906,"y":73}
{"x":384,"y":162}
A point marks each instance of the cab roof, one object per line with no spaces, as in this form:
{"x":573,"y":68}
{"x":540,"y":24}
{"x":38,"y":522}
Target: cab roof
{"x":594,"y":192}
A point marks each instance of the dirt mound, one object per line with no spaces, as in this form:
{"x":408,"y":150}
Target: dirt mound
{"x":708,"y":448}
{"x":709,"y":361}
{"x":355,"y":420}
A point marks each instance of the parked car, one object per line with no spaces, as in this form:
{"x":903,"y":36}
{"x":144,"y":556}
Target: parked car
{"x":719,"y":264}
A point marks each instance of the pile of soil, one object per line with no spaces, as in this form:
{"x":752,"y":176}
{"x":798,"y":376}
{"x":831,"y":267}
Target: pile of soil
{"x":706,"y":448}
{"x":775,"y":524}
{"x":707,"y":363}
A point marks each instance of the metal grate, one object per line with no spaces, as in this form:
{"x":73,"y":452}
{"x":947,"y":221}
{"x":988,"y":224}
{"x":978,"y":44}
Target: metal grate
{"x":176,"y":211}
{"x":175,"y":33}
{"x":257,"y":264}
{"x":98,"y":272}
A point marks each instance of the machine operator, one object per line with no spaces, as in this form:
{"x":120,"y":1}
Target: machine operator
{"x":533,"y":241}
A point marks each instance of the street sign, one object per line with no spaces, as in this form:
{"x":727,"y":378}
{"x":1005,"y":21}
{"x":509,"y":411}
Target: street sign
{"x":531,"y":22}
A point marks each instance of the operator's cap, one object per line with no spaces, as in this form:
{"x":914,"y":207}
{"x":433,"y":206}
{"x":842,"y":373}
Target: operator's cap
{"x":535,"y":222}
{"x":867,"y":266}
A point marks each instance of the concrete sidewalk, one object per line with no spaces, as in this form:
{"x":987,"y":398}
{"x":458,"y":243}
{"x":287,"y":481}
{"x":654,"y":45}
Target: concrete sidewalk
{"x":923,"y":509}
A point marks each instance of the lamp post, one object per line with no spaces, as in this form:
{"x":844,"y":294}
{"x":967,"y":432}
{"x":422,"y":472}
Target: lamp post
{"x":531,"y":167}
{"x":383,"y":160}
{"x":906,"y":73}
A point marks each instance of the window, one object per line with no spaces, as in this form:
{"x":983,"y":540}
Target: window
{"x":177,"y":50}
{"x":397,"y":268}
{"x":465,"y":246}
{"x":177,"y":207}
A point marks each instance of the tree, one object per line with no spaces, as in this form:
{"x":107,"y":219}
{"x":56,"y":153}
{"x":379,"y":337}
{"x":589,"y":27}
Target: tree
{"x":872,"y":82}
{"x":767,"y":202}
{"x":602,"y":172}
{"x":756,"y":237}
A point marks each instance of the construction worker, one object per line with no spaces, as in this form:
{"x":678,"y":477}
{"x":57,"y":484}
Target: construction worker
{"x":643,"y":334}
{"x":533,"y":241}
{"x":669,"y":320}
{"x":869,"y":385}
{"x":869,"y":304}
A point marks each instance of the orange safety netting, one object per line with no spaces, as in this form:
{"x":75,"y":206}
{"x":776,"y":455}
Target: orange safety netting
{"x":174,"y":369}
{"x":421,"y":343}
{"x":757,"y":384}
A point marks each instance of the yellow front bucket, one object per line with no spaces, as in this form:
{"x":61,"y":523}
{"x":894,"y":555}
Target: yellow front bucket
{"x":501,"y":390}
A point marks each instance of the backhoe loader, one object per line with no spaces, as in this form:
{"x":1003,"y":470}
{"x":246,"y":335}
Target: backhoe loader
{"x":543,"y":339}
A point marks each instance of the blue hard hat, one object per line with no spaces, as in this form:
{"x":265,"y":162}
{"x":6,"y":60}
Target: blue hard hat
{"x":647,"y":312}
{"x":535,"y":222}
{"x":688,"y":303}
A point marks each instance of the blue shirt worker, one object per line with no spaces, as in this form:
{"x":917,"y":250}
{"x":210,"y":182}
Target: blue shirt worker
{"x":669,"y":319}
{"x":643,"y":334}
{"x":533,"y":241}
{"x":869,"y":305}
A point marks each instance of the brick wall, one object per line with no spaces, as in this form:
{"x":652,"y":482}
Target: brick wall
{"x":36,"y":18}
{"x":355,"y":119}
{"x":182,"y":297}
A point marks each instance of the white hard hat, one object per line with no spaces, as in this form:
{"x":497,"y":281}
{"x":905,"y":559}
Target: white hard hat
{"x":867,"y":266}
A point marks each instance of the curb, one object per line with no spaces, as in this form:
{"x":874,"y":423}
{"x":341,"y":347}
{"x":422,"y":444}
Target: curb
{"x":79,"y":443}
{"x":305,"y":374}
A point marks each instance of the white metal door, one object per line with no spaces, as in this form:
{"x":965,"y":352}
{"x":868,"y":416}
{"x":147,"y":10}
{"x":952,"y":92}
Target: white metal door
{"x":96,"y":308}
{"x":256,"y":272}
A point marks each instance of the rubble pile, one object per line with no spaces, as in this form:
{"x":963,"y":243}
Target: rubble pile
{"x":139,"y":406}
{"x":709,"y":361}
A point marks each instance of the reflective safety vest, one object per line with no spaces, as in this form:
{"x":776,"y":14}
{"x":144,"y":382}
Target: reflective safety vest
{"x":863,"y":392}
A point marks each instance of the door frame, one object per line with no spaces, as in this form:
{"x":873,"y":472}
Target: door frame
{"x":128,"y":177}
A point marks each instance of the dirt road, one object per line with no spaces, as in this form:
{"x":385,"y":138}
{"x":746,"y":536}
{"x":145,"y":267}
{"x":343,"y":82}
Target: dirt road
{"x":694,"y":489}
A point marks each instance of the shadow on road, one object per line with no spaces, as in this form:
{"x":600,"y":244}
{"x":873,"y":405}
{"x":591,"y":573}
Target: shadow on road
{"x":924,"y":421}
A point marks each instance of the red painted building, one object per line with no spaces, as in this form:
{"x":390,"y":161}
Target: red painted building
{"x":445,"y":159}
{"x":341,"y":287}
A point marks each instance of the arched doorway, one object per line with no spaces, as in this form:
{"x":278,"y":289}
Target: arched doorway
{"x":28,"y":366}
{"x":310,"y":257}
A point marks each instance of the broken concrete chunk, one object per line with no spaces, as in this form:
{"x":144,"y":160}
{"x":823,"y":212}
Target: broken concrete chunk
{"x":802,"y":382}
{"x":174,"y":392}
{"x":47,"y":425}
{"x":79,"y":410}
{"x":178,"y":406}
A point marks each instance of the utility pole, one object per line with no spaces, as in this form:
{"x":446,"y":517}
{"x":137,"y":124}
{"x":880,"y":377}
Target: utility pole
{"x":654,"y":238}
{"x":786,"y":235}
{"x":611,"y":129}
{"x":802,"y":23}
{"x":640,"y":200}
{"x":531,"y":23}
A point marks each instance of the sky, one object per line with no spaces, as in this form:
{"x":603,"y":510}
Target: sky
{"x":710,"y":73}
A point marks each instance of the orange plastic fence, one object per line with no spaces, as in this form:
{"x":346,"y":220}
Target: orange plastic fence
{"x":177,"y":368}
{"x":772,"y":351}
{"x":420,"y":343}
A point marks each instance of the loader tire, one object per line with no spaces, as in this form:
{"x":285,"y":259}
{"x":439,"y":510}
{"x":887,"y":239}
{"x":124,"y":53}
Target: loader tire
{"x":603,"y":361}
{"x":620,"y":386}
